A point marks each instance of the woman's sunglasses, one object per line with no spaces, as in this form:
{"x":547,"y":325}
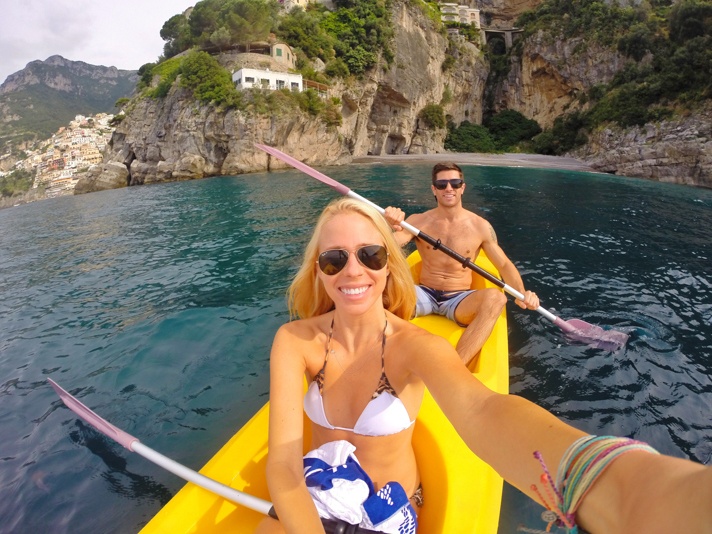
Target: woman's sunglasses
{"x":372,"y":257}
{"x":455,"y":183}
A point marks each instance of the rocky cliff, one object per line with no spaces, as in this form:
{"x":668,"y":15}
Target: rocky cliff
{"x":676,"y":151}
{"x":547,"y":76}
{"x":175,"y":138}
{"x":381,"y":113}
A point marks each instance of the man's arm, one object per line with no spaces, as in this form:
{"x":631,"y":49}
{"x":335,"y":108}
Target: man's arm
{"x":395,"y":216}
{"x":506,"y":268}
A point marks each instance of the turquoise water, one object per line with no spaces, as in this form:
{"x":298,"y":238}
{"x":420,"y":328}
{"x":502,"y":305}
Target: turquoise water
{"x":156,"y":305}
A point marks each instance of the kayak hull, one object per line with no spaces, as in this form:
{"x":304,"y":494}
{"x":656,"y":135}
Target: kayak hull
{"x":461,"y":493}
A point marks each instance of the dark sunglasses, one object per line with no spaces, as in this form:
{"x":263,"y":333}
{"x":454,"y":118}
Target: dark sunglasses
{"x":372,"y":257}
{"x":456,"y":183}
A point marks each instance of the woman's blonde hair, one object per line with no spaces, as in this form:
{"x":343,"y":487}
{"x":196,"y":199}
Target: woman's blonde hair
{"x":306,"y":295}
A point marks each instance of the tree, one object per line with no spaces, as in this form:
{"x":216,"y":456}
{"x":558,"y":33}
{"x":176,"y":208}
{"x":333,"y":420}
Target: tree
{"x":469,"y":137}
{"x":690,"y":19}
{"x":433,"y":116}
{"x":209,"y":82}
{"x":310,"y":102}
{"x":301,"y":29}
{"x":176,"y":33}
{"x":509,"y":127}
{"x":221,"y":38}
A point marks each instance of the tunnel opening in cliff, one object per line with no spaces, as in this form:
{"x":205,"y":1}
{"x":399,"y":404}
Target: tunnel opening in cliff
{"x":395,"y":144}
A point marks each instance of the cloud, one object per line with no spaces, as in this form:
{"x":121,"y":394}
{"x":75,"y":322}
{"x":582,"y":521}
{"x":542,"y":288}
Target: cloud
{"x":122,"y":34}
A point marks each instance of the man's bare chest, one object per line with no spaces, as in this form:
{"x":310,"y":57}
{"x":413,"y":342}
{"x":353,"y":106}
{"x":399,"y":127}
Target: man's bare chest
{"x":460,"y":238}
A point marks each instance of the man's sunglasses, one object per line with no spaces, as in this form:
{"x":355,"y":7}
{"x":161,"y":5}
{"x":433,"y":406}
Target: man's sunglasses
{"x":456,"y":183}
{"x":372,"y":257}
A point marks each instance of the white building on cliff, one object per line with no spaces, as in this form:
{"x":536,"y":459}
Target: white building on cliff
{"x":267,"y":79}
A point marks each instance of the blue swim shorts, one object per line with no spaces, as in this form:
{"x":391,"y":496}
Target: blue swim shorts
{"x":433,"y":301}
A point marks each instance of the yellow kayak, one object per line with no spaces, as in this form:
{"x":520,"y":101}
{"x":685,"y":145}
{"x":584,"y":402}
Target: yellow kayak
{"x":462,"y":493}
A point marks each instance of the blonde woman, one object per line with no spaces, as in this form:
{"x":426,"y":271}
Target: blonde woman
{"x":367,"y":368}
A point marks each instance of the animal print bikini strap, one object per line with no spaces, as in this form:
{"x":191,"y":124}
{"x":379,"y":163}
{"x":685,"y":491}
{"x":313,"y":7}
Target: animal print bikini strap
{"x":319,"y":378}
{"x":383,"y":383}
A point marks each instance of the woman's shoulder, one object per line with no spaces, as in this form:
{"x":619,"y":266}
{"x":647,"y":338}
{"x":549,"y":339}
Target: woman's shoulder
{"x":413,"y":336}
{"x":305,"y":327}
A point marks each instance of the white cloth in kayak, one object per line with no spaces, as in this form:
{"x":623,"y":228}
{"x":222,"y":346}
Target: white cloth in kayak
{"x":341,"y":489}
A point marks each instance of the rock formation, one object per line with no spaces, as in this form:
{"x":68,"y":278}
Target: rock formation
{"x":548,"y":76}
{"x":102,"y":177}
{"x":676,"y":151}
{"x":176,"y":138}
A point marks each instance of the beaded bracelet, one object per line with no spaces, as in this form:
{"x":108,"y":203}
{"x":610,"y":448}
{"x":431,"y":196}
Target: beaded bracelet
{"x":580,"y":466}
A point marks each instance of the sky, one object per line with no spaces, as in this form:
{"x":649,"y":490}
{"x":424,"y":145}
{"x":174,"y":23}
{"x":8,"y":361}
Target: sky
{"x":123,"y":34}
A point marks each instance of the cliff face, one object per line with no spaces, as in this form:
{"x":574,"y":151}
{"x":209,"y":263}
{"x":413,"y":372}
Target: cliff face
{"x":381,"y":114}
{"x":675,"y":151}
{"x":175,"y":138}
{"x":68,"y":76}
{"x":503,"y":13}
{"x":548,"y":76}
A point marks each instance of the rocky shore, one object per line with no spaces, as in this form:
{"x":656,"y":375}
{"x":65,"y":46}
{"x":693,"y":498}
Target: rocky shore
{"x":493,"y":160}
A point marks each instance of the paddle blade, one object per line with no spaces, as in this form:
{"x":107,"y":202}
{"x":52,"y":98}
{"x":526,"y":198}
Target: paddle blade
{"x":306,"y":169}
{"x":102,"y":425}
{"x":595,"y":335}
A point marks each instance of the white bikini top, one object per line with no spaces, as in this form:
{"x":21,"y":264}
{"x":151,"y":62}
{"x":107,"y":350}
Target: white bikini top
{"x":385,"y":413}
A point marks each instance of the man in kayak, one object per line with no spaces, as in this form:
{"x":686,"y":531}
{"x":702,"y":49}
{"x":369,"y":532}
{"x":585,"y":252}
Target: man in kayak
{"x":444,"y":283}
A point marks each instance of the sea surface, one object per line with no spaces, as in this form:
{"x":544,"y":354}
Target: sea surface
{"x":156,"y":306}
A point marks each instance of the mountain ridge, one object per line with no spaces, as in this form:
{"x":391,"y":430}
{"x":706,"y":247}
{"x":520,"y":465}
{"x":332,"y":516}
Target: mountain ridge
{"x":45,"y":95}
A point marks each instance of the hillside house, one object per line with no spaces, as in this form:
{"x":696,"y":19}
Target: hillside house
{"x":267,"y":79}
{"x":289,"y":4}
{"x":452,"y":12}
{"x":282,"y":53}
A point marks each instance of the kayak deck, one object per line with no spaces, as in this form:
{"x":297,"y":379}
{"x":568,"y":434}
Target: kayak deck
{"x":462,"y":493}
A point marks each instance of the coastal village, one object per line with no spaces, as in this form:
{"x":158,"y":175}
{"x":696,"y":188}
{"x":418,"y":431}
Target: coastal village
{"x":72,"y":150}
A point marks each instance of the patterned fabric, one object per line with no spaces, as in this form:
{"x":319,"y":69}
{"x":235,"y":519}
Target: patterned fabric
{"x":383,"y":383}
{"x":385,"y":413}
{"x":342,"y":490}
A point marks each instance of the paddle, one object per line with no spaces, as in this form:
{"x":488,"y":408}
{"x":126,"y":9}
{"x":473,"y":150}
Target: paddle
{"x":134,"y":445}
{"x":574,"y":328}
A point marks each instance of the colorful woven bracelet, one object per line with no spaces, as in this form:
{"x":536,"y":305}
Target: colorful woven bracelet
{"x":580,"y":466}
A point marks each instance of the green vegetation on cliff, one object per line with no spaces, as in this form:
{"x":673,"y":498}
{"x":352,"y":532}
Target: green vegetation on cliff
{"x":669,"y":46}
{"x":352,"y":37}
{"x":506,"y":131}
{"x":220,"y":24}
{"x":349,"y":40}
{"x":15,"y":183}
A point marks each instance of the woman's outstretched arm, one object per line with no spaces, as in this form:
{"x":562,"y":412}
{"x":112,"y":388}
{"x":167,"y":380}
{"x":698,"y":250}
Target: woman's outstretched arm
{"x":638,"y":492}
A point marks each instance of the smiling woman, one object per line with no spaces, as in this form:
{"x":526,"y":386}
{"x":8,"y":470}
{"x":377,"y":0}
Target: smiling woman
{"x":354,"y":313}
